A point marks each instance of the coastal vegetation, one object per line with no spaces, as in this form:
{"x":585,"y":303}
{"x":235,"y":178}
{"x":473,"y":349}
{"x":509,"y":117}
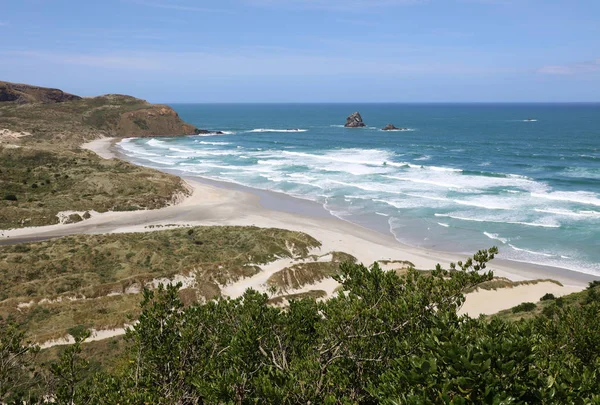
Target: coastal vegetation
{"x":385,"y":338}
{"x":39,"y":182}
{"x":43,"y":170}
{"x":95,"y":281}
{"x":75,"y":120}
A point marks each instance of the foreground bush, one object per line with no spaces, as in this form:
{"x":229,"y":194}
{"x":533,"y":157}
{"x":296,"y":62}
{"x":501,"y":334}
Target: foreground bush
{"x":384,"y":339}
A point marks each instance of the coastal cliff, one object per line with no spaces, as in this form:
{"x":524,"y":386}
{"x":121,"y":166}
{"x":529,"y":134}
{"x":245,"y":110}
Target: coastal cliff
{"x":51,"y":114}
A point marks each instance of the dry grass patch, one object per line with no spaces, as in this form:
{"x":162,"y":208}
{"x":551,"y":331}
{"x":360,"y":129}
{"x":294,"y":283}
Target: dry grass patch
{"x":96,"y":280}
{"x":502,"y":282}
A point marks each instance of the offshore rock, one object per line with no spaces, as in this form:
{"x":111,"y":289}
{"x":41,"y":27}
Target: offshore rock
{"x":354,"y":121}
{"x":391,"y":127}
{"x":207,"y":132}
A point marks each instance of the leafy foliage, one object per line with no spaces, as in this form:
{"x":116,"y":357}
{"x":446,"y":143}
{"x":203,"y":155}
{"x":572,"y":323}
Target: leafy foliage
{"x":524,"y":307}
{"x":385,"y":338}
{"x":17,"y":374}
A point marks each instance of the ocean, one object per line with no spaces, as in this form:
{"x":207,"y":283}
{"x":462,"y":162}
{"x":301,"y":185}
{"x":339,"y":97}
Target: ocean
{"x":460,"y":177}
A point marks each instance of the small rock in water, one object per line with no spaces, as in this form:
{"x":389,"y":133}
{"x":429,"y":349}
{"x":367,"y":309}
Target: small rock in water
{"x":205,"y":132}
{"x":391,"y":127}
{"x":354,"y":121}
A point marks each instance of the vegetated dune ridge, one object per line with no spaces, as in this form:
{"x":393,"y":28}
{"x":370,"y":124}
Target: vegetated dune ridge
{"x":44,"y":172}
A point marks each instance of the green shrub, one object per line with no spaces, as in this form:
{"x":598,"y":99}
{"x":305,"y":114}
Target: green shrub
{"x":73,"y":218}
{"x":593,"y":284}
{"x":548,"y":297}
{"x":524,"y":307}
{"x":10,"y":197}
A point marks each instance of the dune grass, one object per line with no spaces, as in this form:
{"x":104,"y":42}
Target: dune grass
{"x":36,"y":184}
{"x":95,"y":280}
{"x":502,"y":282}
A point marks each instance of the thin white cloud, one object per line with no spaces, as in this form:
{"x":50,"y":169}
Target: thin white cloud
{"x":571,"y":69}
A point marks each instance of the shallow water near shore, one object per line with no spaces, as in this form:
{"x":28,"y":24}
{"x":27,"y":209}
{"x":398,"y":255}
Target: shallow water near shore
{"x":460,"y":178}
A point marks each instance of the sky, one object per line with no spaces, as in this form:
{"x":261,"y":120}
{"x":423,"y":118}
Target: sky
{"x":307,"y":50}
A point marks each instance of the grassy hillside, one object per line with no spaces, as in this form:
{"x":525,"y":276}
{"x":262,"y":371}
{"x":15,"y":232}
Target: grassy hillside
{"x":548,"y":304}
{"x":37,"y":183}
{"x":95,"y":280}
{"x":43,"y":171}
{"x":74,"y":122}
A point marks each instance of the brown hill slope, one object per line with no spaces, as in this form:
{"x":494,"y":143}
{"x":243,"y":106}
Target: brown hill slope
{"x":81,"y":119}
{"x":25,"y":94}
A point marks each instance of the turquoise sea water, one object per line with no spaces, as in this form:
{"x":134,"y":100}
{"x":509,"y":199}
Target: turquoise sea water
{"x":523,"y":177}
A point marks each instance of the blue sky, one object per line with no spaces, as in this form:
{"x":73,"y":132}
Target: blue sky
{"x":307,"y":50}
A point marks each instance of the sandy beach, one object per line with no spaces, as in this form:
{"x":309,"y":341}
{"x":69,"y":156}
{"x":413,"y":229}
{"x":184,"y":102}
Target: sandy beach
{"x":217,"y":203}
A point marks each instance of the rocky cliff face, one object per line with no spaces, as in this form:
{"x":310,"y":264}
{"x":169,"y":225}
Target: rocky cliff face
{"x":25,"y":94}
{"x":354,"y":121}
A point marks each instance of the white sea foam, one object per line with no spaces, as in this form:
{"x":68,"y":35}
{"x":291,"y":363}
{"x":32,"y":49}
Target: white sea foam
{"x":424,"y":181}
{"x":212,"y":143}
{"x":156,"y":143}
{"x":549,"y":224}
{"x":271,"y":130}
{"x":216,"y":134}
{"x":443,"y":224}
{"x":579,"y":197}
{"x":531,"y":251}
{"x":382,"y":214}
{"x":495,"y":236}
{"x":569,"y":213}
{"x":131,"y":149}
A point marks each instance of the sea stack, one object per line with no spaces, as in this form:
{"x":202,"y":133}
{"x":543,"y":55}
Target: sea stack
{"x":354,"y":121}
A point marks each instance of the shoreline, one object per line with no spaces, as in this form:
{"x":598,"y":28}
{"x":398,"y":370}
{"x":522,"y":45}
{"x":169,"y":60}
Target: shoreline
{"x":282,"y":202}
{"x":225,"y":203}
{"x":214,"y":203}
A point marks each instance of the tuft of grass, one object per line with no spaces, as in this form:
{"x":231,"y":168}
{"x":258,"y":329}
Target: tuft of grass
{"x":501,"y":282}
{"x":402,"y":263}
{"x":301,"y":274}
{"x":283,"y":299}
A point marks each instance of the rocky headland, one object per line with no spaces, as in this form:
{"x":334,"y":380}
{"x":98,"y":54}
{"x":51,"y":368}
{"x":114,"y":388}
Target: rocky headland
{"x":53,"y":115}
